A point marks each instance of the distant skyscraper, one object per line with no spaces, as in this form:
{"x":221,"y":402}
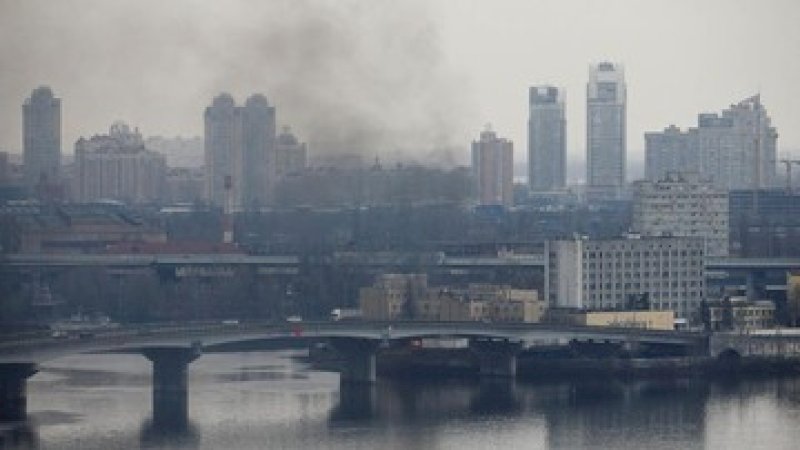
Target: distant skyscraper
{"x":258,"y":152}
{"x":117,"y":166}
{"x":735,"y":150}
{"x":240,"y":144}
{"x":493,"y":169}
{"x":547,"y":139}
{"x":222,"y":146}
{"x":41,"y":124}
{"x":605,"y":129}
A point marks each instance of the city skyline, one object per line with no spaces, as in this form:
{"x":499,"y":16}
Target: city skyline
{"x":447,"y":67}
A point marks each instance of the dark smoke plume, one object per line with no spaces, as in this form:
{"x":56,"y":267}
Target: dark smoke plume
{"x":366,"y":77}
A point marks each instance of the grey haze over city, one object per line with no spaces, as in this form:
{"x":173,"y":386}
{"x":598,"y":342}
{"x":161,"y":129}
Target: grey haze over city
{"x":403,"y":80}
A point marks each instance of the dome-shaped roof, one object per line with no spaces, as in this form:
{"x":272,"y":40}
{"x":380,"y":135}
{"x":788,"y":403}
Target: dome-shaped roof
{"x":42,"y":92}
{"x":257,"y":101}
{"x":224,"y":100}
{"x":286,"y":137}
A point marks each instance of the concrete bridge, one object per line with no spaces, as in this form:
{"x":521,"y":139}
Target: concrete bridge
{"x":172,"y":348}
{"x":763,"y":343}
{"x":381,"y":259}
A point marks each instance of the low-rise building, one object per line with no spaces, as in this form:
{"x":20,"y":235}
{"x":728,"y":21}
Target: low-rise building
{"x":408,"y":297}
{"x":736,"y":313}
{"x":86,"y":228}
{"x":646,"y":320}
{"x":390,"y":297}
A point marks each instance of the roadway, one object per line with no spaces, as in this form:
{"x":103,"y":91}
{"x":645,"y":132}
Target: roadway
{"x":145,"y":260}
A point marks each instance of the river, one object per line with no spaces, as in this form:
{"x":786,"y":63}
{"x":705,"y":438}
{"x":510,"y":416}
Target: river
{"x":259,"y":400}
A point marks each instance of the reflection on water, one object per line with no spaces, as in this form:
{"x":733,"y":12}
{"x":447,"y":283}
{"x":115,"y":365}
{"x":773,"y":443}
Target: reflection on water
{"x":269,"y":400}
{"x":19,"y":435}
{"x":156,"y":436}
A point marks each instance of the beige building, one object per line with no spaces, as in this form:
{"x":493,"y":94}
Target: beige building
{"x":387,"y":298}
{"x":647,"y":320}
{"x":408,"y":297}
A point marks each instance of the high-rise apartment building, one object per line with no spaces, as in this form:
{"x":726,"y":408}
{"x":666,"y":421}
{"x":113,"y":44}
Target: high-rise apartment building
{"x":41,"y":131}
{"x":257,"y":171}
{"x":682,"y":204}
{"x":608,"y":274}
{"x":547,"y":139}
{"x":606,"y":125}
{"x":223,"y":133}
{"x":117,"y":166}
{"x":735,"y":150}
{"x":239,"y":151}
{"x":493,"y":169}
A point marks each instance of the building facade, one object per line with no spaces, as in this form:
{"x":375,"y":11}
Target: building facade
{"x":291,"y":156}
{"x":493,"y":169}
{"x":646,"y":320}
{"x":117,"y":166}
{"x":547,"y":139}
{"x":764,"y":223}
{"x":608,"y":274}
{"x":736,"y":313}
{"x":606,"y":125}
{"x":223,"y":133}
{"x":41,"y":132}
{"x":392,"y":296}
{"x":682,"y":205}
{"x":239,"y":152}
{"x":257,"y":170}
{"x":184,"y":185}
{"x":735,"y":149}
{"x":408,"y":297}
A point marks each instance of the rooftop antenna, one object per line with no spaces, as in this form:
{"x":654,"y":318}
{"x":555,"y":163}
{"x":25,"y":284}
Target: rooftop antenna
{"x":227,"y":227}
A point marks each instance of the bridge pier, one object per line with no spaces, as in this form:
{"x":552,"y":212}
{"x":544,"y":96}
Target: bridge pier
{"x":13,"y":396}
{"x":170,"y":386}
{"x":358,"y":359}
{"x":497,"y":358}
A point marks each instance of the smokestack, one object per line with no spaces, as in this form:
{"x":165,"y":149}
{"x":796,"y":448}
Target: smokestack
{"x":227,"y":220}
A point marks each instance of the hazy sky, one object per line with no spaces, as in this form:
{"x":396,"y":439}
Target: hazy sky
{"x":419,"y":78}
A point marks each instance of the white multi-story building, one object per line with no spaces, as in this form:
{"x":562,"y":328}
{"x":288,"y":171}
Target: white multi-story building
{"x":117,"y":166}
{"x":493,"y":169}
{"x":547,"y":139}
{"x":607,"y":274}
{"x":606,"y":125}
{"x":682,"y":205}
{"x":735,"y":150}
{"x":41,"y":132}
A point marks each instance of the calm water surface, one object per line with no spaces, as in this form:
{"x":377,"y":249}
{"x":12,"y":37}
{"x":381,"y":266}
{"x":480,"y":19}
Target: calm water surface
{"x":260,"y":400}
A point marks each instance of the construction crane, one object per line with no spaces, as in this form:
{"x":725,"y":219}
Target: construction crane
{"x":788,"y":163}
